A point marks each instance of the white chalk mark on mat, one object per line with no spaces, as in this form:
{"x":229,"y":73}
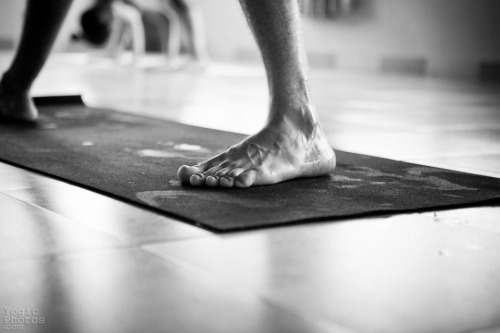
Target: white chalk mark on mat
{"x":453,"y":196}
{"x":175,"y":183}
{"x":156,"y":198}
{"x":340,"y":178}
{"x":188,"y":147}
{"x":87,"y":143}
{"x":419,"y":171}
{"x":185,"y":147}
{"x":347,"y":186}
{"x":420,"y":174}
{"x":163,"y":154}
{"x":446,"y":185}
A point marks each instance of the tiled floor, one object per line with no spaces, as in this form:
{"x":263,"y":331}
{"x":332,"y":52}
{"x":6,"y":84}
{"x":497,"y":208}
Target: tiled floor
{"x":90,"y":263}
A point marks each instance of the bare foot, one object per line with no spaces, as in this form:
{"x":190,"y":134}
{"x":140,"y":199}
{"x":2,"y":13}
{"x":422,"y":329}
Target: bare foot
{"x":284,"y":149}
{"x":17,"y":107}
{"x":15,"y":103}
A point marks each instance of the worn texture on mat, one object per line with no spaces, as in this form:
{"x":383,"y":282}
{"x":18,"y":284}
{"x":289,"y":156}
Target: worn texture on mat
{"x":136,"y":158}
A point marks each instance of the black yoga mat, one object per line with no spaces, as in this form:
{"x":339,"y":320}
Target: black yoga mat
{"x":136,"y":159}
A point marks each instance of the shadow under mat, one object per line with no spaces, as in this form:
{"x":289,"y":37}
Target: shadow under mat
{"x":136,"y":158}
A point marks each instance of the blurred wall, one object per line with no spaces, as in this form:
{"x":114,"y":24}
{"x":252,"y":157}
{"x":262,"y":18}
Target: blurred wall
{"x":11,"y":20}
{"x":11,"y":16}
{"x":448,"y":38}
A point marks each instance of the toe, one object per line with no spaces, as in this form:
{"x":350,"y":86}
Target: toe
{"x":246,"y":179}
{"x":236,"y":172}
{"x":212,"y":181}
{"x":185,"y":172}
{"x":226,"y":181}
{"x":222,"y":172}
{"x":197,"y":179}
{"x":211,"y":176}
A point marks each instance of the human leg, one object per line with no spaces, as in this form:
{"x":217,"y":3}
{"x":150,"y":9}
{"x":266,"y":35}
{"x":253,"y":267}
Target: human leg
{"x":193,"y":26}
{"x":41,"y":25}
{"x":291,"y":144}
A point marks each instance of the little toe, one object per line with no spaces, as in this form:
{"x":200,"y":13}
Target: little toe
{"x":226,"y":181}
{"x":246,"y":179}
{"x":197,"y":179}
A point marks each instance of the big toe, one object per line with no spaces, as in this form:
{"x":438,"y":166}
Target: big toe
{"x":185,"y":172}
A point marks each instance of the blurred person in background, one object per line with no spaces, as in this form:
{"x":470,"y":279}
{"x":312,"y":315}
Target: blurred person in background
{"x":172,"y":27}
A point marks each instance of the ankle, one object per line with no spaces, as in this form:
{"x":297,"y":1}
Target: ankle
{"x":8,"y":86}
{"x":297,"y":119}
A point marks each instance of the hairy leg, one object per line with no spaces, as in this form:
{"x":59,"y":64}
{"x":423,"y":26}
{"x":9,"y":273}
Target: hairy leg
{"x":291,"y":144}
{"x":41,"y":26}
